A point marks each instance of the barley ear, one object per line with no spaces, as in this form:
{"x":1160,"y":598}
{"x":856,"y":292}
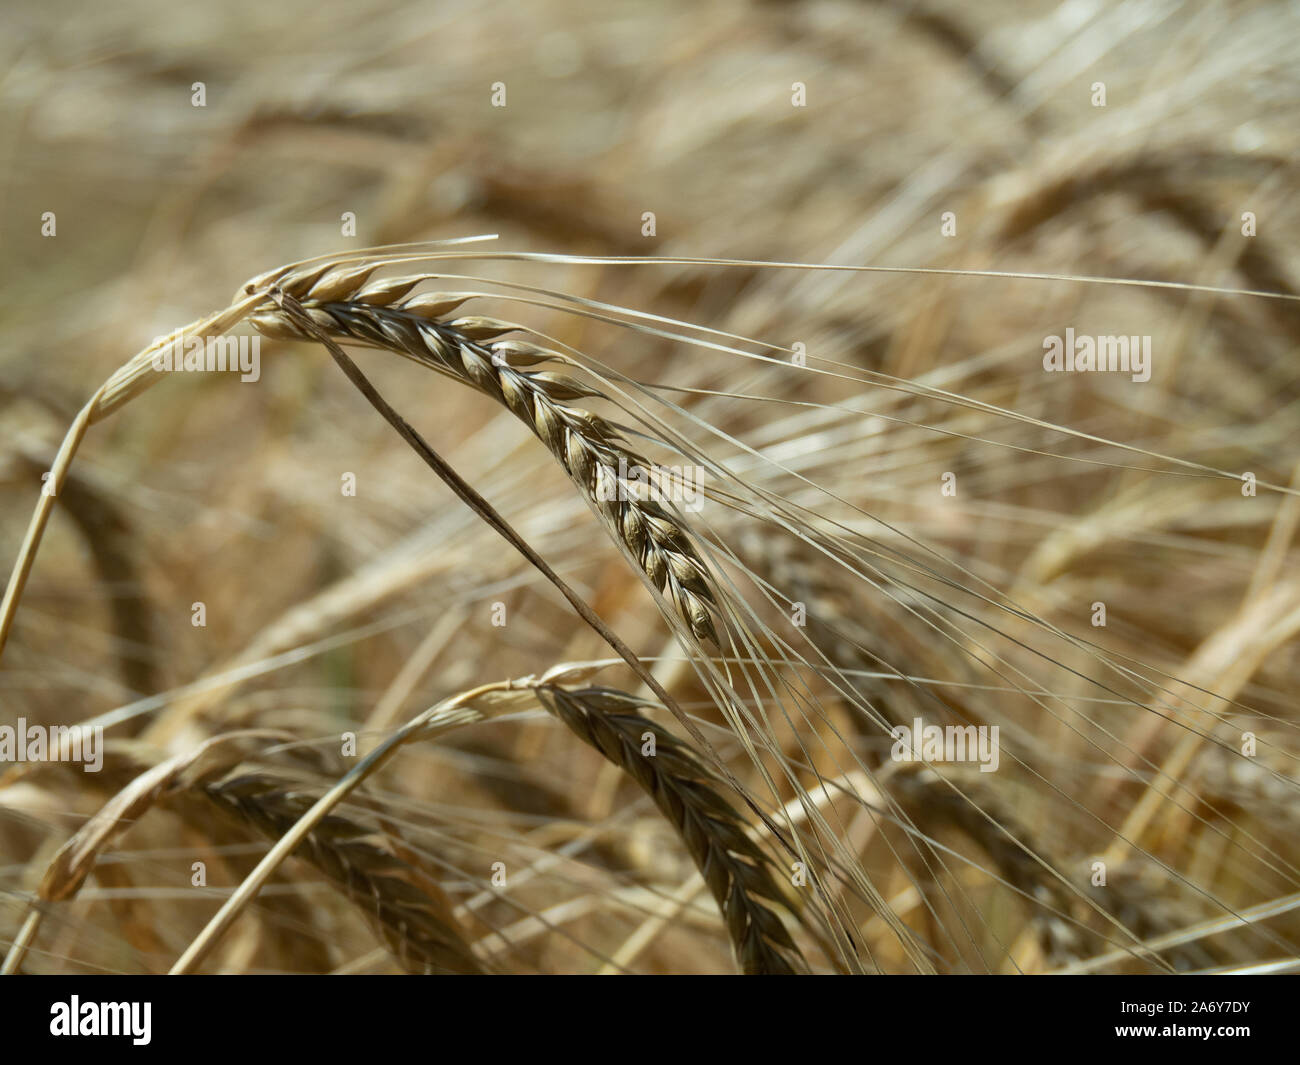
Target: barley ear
{"x":739,"y":874}
{"x":403,"y":903}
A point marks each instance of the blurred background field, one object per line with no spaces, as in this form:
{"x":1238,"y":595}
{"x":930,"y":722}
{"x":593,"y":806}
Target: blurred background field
{"x":355,"y":612}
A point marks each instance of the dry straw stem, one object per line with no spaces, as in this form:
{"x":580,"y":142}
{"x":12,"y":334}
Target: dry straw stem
{"x":113,"y":545}
{"x":1194,"y":933}
{"x":132,"y":378}
{"x":738,"y":872}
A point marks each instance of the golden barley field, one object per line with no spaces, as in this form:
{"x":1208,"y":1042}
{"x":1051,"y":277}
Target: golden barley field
{"x":765,"y":487}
